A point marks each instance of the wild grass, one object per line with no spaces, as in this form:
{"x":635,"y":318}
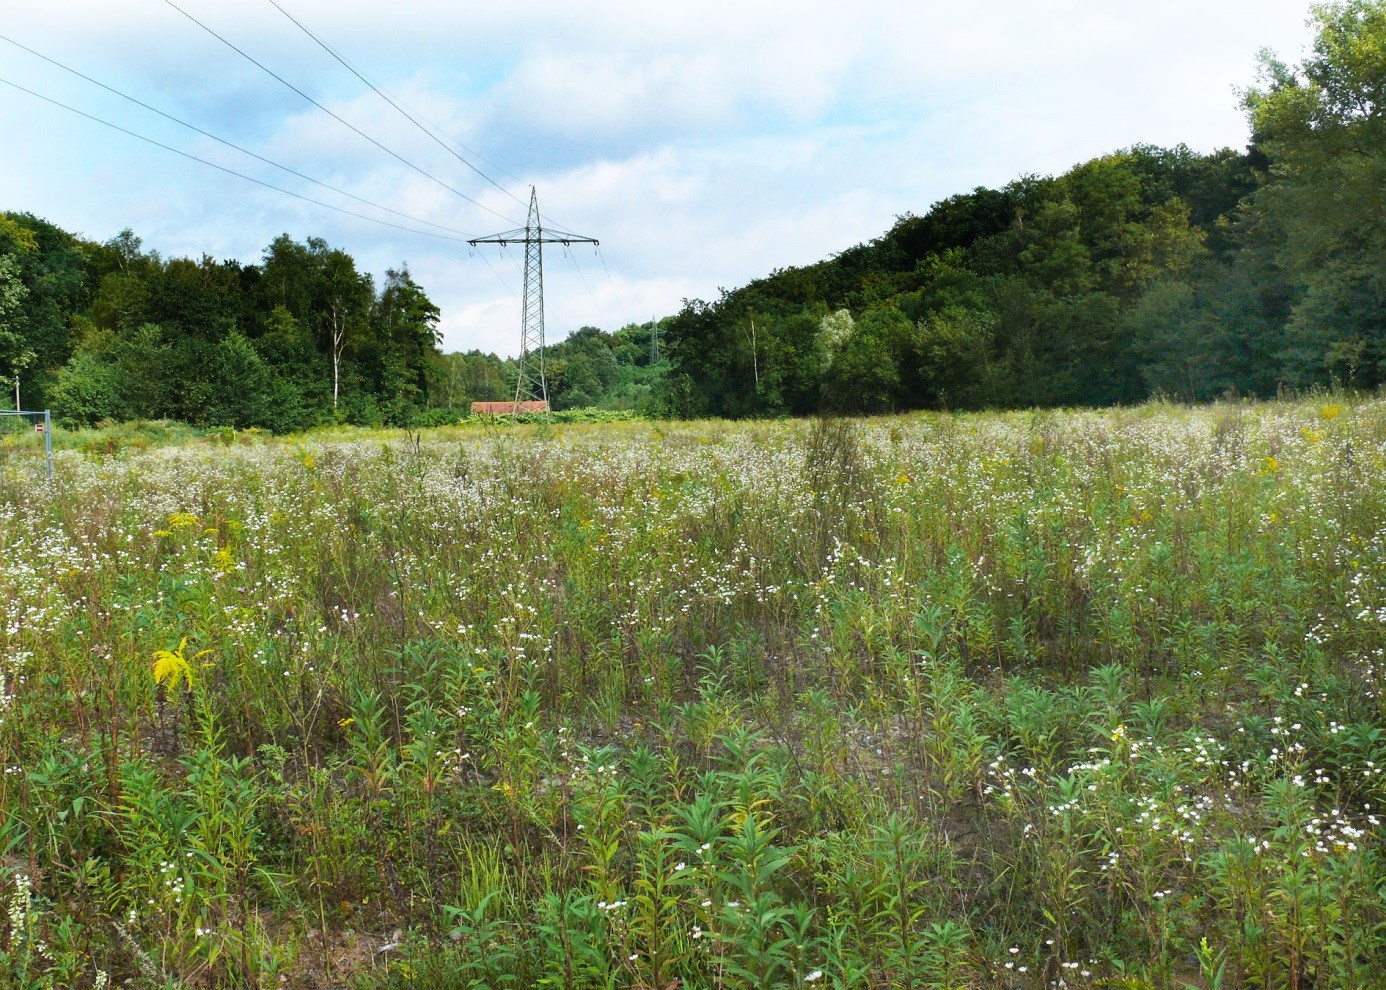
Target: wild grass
{"x":1028,"y":700}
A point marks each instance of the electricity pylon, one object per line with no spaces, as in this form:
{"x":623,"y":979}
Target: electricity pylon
{"x":528,"y":384}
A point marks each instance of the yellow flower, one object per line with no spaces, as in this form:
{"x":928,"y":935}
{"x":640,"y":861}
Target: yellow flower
{"x":1119,"y":733}
{"x":171,"y":666}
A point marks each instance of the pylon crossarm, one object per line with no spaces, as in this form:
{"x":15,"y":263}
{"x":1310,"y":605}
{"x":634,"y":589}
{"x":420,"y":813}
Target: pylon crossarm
{"x":519,"y":238}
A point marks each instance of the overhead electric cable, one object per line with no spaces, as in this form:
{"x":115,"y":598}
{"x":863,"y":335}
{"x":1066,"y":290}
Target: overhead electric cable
{"x":601,"y":257}
{"x":432,"y":134}
{"x":573,"y":257}
{"x":436,"y":128}
{"x":345,"y":123}
{"x":378,"y":92}
{"x":228,"y":171}
{"x":229,"y":144}
{"x":499,"y":277}
{"x":559,"y":233}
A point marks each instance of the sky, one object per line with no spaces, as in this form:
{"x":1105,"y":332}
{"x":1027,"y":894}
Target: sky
{"x":704,"y":144}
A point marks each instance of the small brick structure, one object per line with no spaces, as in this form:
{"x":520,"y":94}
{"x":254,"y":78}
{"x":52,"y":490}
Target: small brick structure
{"x":508,"y":408}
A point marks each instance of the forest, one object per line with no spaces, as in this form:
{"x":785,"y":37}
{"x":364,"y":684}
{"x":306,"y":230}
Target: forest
{"x":109,"y":332}
{"x":1148,"y":272}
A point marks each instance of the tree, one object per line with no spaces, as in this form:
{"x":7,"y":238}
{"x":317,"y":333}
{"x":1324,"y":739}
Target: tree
{"x":288,"y":275}
{"x":342,"y":299}
{"x":125,"y":247}
{"x":833,"y":331}
{"x":15,"y":353}
{"x":864,"y":373}
{"x":581,"y":369}
{"x":20,"y":237}
{"x":1322,"y":213}
{"x":87,"y":390}
{"x":148,"y":372}
{"x":243,"y":392}
{"x":472,"y":376}
{"x":404,"y":338}
{"x":950,"y":352}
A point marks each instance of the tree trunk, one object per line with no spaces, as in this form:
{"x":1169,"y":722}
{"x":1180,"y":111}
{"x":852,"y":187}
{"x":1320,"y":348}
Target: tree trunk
{"x":337,"y":337}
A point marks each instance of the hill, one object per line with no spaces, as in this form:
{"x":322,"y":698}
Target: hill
{"x":1146,"y":272}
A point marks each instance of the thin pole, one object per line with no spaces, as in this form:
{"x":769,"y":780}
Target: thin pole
{"x":48,"y":442}
{"x":755,"y":359}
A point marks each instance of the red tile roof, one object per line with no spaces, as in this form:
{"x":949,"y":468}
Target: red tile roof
{"x":507,"y":408}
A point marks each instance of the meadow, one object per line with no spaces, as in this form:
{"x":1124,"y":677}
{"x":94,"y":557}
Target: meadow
{"x":1025,"y":700}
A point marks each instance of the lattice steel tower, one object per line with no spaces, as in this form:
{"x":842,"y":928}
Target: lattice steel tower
{"x":531,"y":383}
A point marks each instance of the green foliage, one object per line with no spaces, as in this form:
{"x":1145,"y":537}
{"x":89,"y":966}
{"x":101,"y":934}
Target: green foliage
{"x":1146,"y":272}
{"x":15,"y":354}
{"x":109,"y":331}
{"x":87,"y":390}
{"x":1323,"y":127}
{"x":935,"y":702}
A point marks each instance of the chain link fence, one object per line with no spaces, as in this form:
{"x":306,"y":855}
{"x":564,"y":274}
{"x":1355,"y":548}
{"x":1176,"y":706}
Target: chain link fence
{"x":26,"y":442}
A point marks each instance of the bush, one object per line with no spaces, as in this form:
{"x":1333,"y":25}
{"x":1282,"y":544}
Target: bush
{"x":87,"y":390}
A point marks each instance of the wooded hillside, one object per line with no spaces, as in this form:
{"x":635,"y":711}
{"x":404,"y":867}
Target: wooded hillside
{"x":1150,"y":271}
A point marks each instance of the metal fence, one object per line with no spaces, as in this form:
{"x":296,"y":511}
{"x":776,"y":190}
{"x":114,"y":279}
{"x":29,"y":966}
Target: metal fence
{"x":18,"y":429}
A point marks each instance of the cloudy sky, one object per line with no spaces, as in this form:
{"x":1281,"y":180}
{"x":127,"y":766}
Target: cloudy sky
{"x":703,"y":143}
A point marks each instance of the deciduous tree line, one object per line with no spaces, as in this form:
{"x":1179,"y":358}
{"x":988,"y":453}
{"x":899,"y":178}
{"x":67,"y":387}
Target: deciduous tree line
{"x":110,"y":331}
{"x":1146,"y":272}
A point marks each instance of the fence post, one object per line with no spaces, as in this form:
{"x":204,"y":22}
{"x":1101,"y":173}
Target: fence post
{"x":48,"y":442}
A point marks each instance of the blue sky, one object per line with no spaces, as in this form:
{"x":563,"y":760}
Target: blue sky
{"x":704,"y":144}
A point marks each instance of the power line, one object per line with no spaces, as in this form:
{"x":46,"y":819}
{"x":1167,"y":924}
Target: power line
{"x":229,"y":144}
{"x":431,"y":133}
{"x":436,"y":127}
{"x":612,"y":283}
{"x":572,"y":255}
{"x":499,"y":277}
{"x":378,"y":92}
{"x":345,"y":123}
{"x":223,"y":168}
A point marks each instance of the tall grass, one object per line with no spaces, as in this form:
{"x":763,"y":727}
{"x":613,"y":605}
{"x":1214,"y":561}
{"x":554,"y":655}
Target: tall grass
{"x":1024,"y":700}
